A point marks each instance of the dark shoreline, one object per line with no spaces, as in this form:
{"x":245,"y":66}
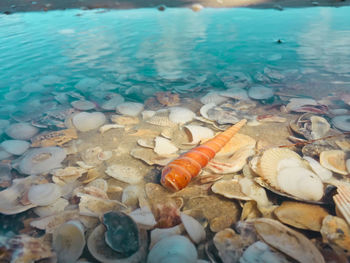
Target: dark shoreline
{"x":13,"y":6}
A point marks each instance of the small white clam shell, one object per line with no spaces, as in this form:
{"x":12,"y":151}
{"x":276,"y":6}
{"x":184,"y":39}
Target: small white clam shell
{"x":173,"y":249}
{"x":197,"y":133}
{"x":194,"y":229}
{"x":181,"y":115}
{"x":69,"y":241}
{"x":44,"y":194}
{"x":130,"y":108}
{"x":16,"y":147}
{"x":164,"y":146}
{"x":322,"y":172}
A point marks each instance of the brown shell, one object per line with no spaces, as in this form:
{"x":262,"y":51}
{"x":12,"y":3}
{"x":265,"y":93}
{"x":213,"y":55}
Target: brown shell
{"x":288,"y":241}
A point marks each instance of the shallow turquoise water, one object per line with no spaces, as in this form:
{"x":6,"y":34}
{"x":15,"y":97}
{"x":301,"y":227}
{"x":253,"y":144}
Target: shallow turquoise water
{"x":152,"y":48}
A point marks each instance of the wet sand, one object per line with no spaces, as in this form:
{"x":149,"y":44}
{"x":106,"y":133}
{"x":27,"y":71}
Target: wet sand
{"x":12,"y":6}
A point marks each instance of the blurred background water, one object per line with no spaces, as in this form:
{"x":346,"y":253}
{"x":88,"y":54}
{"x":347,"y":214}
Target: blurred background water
{"x":141,"y":51}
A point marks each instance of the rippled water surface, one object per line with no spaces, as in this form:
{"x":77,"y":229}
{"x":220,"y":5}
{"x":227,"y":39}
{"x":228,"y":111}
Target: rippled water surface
{"x":144,"y":50}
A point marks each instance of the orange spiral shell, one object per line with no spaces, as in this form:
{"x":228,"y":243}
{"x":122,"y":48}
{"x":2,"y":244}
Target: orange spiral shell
{"x":178,"y":173}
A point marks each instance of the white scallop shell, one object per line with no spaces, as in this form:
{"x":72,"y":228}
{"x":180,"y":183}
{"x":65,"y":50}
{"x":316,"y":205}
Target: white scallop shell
{"x":68,"y":241}
{"x":213,"y":97}
{"x":21,"y":131}
{"x":181,"y":115}
{"x":197,"y":133}
{"x":85,"y":121}
{"x":130,"y":108}
{"x":300,"y":182}
{"x":173,"y":249}
{"x":164,"y":146}
{"x":44,"y":194}
{"x":16,"y":147}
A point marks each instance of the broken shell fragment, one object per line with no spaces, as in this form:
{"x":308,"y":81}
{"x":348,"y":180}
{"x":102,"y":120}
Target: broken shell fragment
{"x":69,"y":241}
{"x":334,"y":160}
{"x":229,"y":189}
{"x":324,"y":174}
{"x":108,"y":127}
{"x":164,"y":146}
{"x":288,"y":241}
{"x":143,"y":217}
{"x":173,"y":249}
{"x":194,"y":229}
{"x":126,"y":174}
{"x":197,"y":133}
{"x":336,"y":232}
{"x":181,"y":115}
{"x":44,"y":194}
{"x":342,"y":201}
{"x":56,"y":207}
{"x":90,"y":205}
{"x":11,"y":197}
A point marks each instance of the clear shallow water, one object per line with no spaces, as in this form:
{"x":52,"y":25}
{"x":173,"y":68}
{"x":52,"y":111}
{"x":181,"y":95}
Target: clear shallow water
{"x":144,"y":50}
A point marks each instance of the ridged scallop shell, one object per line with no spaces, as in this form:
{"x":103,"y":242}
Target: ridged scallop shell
{"x":213,"y":97}
{"x":197,"y":133}
{"x":342,"y":201}
{"x":160,"y":120}
{"x":44,"y":194}
{"x":130,"y":108}
{"x":288,"y":241}
{"x":334,"y":160}
{"x":68,"y":241}
{"x":275,"y":159}
{"x":181,"y":115}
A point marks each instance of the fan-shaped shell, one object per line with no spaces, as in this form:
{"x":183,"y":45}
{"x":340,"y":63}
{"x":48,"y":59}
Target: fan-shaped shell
{"x":260,"y":92}
{"x":83,"y":105}
{"x":130,"y":108}
{"x":69,"y":241}
{"x":164,"y":146}
{"x":275,"y":159}
{"x":44,"y":194}
{"x":16,"y":147}
{"x":334,"y":160}
{"x":86,"y":121}
{"x":213,"y":97}
{"x":181,"y":115}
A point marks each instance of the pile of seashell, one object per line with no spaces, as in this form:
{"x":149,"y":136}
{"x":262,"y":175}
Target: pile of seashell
{"x":94,"y":190}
